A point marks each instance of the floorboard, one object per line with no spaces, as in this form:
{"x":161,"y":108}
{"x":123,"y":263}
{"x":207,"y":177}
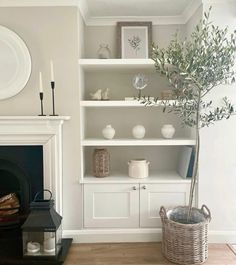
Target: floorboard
{"x":137,"y":253}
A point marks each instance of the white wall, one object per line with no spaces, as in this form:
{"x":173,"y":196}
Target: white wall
{"x":217,"y":185}
{"x":51,"y":33}
{"x":193,"y":21}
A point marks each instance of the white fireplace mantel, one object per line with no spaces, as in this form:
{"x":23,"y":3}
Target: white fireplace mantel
{"x":39,"y":130}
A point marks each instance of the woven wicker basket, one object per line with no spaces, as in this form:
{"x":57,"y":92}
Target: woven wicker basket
{"x":185,"y":243}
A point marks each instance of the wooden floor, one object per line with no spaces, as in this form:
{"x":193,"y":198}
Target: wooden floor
{"x":137,"y":253}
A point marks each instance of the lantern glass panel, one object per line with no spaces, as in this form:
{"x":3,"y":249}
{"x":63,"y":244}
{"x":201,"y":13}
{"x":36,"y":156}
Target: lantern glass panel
{"x":41,"y":244}
{"x":58,"y":238}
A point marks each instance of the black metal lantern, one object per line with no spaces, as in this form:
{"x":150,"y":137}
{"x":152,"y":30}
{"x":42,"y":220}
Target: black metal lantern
{"x":42,"y":233}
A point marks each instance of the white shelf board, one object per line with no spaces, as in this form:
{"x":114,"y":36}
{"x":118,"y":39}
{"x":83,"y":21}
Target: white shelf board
{"x":35,"y":118}
{"x":116,"y":103}
{"x":155,"y":177}
{"x":138,"y":142}
{"x":116,"y":64}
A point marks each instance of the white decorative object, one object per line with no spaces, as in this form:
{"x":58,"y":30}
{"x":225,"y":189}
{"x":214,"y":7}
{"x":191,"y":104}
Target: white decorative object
{"x":105,"y":94}
{"x":33,"y":247}
{"x":108,"y":132}
{"x":15,"y":63}
{"x":97,"y":95}
{"x":49,"y":245}
{"x":138,"y":131}
{"x":104,"y":51}
{"x":138,"y":168}
{"x":139,"y":83}
{"x":168,"y":131}
{"x":40,"y":83}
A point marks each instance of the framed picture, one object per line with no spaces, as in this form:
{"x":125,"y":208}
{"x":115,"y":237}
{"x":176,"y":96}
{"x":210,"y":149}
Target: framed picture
{"x":134,"y":39}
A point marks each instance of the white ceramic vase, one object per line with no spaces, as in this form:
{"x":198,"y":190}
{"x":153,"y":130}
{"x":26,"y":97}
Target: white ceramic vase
{"x":168,"y":131}
{"x":138,"y":131}
{"x":138,"y":168}
{"x":108,"y":132}
{"x":104,"y":51}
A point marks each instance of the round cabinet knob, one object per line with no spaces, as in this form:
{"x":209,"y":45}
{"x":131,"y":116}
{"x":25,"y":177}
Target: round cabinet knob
{"x":134,"y":188}
{"x":144,"y":187}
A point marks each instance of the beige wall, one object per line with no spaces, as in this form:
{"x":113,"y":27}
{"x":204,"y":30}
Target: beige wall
{"x":51,"y":33}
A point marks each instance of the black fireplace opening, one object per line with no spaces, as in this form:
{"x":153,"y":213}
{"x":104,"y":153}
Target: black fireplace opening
{"x":21,"y":173}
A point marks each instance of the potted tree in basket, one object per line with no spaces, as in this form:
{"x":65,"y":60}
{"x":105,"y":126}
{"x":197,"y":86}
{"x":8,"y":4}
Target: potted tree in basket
{"x":193,"y":68}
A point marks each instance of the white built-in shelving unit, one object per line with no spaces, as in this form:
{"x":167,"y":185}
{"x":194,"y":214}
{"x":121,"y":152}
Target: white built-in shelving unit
{"x":119,"y":201}
{"x":117,"y":75}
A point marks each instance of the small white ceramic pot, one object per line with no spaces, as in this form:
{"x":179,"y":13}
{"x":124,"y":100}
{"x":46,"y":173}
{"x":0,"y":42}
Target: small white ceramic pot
{"x":138,"y":131}
{"x":138,"y":168}
{"x":168,"y":131}
{"x":108,"y":132}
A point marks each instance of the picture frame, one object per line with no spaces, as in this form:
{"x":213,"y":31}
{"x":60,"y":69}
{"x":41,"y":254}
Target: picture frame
{"x":134,"y":40}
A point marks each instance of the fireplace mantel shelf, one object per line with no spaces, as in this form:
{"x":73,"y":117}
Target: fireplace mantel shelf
{"x":47,"y":118}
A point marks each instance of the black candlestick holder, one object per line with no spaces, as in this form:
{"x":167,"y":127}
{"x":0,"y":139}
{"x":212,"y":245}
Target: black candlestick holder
{"x":53,"y":99}
{"x":41,"y":99}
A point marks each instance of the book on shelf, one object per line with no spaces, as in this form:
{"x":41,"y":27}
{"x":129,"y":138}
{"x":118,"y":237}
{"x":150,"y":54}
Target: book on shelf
{"x":186,"y":162}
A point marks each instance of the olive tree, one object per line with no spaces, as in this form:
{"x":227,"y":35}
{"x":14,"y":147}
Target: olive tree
{"x":194,"y":67}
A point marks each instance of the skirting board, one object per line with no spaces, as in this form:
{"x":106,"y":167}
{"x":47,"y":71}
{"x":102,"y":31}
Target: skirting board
{"x":136,"y":235}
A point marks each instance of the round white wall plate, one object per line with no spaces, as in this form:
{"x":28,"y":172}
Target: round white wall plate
{"x":15,"y":63}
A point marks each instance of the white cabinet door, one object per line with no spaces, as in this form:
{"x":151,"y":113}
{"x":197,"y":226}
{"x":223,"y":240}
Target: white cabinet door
{"x":153,"y":196}
{"x":109,"y":205}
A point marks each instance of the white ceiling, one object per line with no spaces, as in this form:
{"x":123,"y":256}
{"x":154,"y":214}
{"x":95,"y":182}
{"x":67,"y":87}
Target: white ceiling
{"x":104,"y":8}
{"x":108,"y":12}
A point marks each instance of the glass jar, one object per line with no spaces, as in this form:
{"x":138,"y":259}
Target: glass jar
{"x":103,"y":51}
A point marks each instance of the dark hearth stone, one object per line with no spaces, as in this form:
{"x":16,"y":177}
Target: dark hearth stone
{"x":17,"y":259}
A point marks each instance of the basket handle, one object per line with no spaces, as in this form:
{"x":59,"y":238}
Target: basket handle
{"x":42,"y":191}
{"x":206,"y":212}
{"x":162,"y":212}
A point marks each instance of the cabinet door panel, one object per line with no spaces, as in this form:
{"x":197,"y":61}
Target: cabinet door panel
{"x":107,"y":205}
{"x":156,"y":195}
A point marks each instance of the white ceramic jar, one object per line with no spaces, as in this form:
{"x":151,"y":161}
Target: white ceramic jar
{"x":108,"y":132}
{"x":138,"y":168}
{"x":168,"y":131}
{"x":138,"y":131}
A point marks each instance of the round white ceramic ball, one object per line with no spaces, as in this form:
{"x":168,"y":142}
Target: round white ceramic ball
{"x":138,"y":131}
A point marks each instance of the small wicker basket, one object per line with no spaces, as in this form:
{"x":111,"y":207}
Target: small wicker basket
{"x":185,"y":243}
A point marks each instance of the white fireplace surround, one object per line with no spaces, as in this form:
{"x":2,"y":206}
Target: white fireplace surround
{"x":39,"y":130}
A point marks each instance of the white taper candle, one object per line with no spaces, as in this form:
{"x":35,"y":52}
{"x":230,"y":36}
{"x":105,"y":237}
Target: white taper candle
{"x":40,"y":83}
{"x":52,"y":71}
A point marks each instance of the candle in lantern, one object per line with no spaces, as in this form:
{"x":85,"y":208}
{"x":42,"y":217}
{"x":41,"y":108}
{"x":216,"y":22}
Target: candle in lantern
{"x":40,"y":83}
{"x":52,"y":71}
{"x":49,"y":244}
{"x":33,"y":247}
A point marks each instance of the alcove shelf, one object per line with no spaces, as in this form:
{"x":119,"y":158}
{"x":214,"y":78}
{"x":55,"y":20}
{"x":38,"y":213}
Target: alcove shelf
{"x":118,"y":194}
{"x":116,"y":64}
{"x":162,"y":177}
{"x":118,"y":103}
{"x":137,"y":142}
